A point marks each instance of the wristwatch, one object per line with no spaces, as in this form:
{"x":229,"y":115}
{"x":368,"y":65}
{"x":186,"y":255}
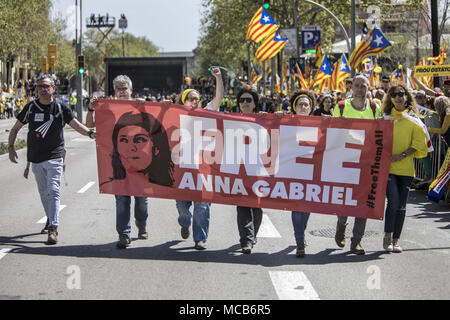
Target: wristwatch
{"x":404,"y":155}
{"x":90,"y":132}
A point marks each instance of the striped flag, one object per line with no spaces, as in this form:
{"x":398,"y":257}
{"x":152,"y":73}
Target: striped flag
{"x":260,"y":26}
{"x":397,"y":76}
{"x":340,"y":72}
{"x":299,"y":79}
{"x":441,"y":57}
{"x":255,"y":74}
{"x":270,"y":46}
{"x":374,"y":43}
{"x":324,"y":72}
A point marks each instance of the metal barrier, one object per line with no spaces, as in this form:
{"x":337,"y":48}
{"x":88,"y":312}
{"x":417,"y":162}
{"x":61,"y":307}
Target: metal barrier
{"x":428,"y":168}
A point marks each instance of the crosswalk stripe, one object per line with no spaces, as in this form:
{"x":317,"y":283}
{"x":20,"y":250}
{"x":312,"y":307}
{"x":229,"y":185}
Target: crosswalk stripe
{"x":293,"y":285}
{"x":267,"y":229}
{"x":44,"y":218}
{"x":4,"y":252}
{"x":86,"y":187}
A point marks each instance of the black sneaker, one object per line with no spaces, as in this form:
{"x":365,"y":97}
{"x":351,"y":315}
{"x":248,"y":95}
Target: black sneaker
{"x":200,"y":245}
{"x":124,"y":242}
{"x":185,"y":232}
{"x":142,"y":234}
{"x":246,"y":250}
{"x":45,"y":230}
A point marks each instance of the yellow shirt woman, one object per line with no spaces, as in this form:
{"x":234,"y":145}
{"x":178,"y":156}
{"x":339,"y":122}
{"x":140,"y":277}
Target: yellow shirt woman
{"x":407,"y":134}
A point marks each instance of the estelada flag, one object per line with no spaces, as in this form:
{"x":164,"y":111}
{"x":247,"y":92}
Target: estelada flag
{"x":324,"y":72}
{"x":260,"y":26}
{"x":295,"y":163}
{"x":374,"y":43}
{"x":270,"y":46}
{"x":441,"y":57}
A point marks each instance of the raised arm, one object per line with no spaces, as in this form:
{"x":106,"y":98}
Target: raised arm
{"x":217,"y":101}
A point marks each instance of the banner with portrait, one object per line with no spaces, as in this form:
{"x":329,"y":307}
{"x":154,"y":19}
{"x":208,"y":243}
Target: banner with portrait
{"x":296,"y":163}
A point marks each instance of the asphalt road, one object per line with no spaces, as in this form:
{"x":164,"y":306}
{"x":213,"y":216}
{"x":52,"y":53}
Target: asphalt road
{"x":86,"y":265}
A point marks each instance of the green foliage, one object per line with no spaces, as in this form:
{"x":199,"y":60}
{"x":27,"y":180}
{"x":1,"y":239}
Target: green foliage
{"x":19,"y":144}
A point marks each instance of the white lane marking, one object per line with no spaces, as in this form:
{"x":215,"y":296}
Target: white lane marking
{"x":86,"y":187}
{"x":4,"y":252}
{"x":44,"y":219}
{"x":293,"y":285}
{"x":83,"y":140}
{"x":267,"y":229}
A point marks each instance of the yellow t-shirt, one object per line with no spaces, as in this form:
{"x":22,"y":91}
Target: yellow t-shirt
{"x":407,"y":135}
{"x":350,"y":112}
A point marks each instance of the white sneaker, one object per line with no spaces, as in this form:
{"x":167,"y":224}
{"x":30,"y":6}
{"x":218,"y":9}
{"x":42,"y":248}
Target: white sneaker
{"x":387,"y":242}
{"x":396,"y":246}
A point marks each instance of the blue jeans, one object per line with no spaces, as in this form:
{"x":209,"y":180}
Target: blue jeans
{"x":397,"y":195}
{"x":199,"y":220}
{"x":48,"y":177}
{"x":299,"y":221}
{"x":123,"y":214}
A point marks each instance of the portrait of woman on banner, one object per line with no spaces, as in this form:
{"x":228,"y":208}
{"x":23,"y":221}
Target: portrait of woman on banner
{"x":141,"y":147}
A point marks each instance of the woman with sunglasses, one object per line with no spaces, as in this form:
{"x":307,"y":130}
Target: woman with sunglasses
{"x":248,"y":219}
{"x":409,"y":141}
{"x":199,"y":218}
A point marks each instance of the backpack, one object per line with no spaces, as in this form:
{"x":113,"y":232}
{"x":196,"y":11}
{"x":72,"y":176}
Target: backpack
{"x":373,"y":106}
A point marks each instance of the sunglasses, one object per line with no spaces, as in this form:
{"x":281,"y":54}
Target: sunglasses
{"x":400,"y":94}
{"x":248,"y":100}
{"x":191,"y":99}
{"x":44,"y":86}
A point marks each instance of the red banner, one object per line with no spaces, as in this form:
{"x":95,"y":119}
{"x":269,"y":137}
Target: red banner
{"x":309,"y":164}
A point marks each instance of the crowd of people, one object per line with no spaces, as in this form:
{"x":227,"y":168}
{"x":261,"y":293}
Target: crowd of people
{"x":394,"y":101}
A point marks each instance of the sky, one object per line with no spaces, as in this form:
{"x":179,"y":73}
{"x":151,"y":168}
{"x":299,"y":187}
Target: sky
{"x":172,"y":25}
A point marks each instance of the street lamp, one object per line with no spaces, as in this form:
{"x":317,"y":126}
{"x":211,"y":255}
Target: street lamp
{"x":123,"y":24}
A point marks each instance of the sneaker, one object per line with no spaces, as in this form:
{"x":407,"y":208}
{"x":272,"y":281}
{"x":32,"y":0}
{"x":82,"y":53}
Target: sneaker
{"x":247,"y":250}
{"x":52,"y":235}
{"x":340,"y":235}
{"x":185,"y":232}
{"x":300,"y":250}
{"x":45,"y":229}
{"x":356,"y":248}
{"x":387,"y":242}
{"x":142,"y":234}
{"x":255,"y":241}
{"x":200,"y":245}
{"x":124,"y":242}
{"x":396,"y":246}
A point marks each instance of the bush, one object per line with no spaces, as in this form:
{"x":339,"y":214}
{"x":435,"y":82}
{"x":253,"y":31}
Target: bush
{"x":19,"y":144}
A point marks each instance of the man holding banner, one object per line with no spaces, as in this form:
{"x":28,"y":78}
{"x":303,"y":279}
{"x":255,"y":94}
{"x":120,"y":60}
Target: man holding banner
{"x":360,"y":108}
{"x":123,"y":89}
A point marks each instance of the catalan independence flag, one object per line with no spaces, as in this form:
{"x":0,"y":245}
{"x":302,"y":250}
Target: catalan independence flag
{"x":441,"y":57}
{"x":324,"y":72}
{"x":260,"y":26}
{"x":270,"y":46}
{"x":340,"y":72}
{"x":374,"y":43}
{"x":255,"y":74}
{"x":299,"y":79}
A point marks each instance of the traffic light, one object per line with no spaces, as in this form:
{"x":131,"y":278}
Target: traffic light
{"x":266,"y":4}
{"x":44,"y":64}
{"x":80,"y":65}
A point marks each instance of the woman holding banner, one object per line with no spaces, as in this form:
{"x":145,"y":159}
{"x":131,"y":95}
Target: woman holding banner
{"x":410,"y":140}
{"x":303,"y":103}
{"x":248,"y":219}
{"x":200,"y":217}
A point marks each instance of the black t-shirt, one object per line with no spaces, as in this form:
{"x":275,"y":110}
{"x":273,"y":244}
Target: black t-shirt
{"x":45,"y":129}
